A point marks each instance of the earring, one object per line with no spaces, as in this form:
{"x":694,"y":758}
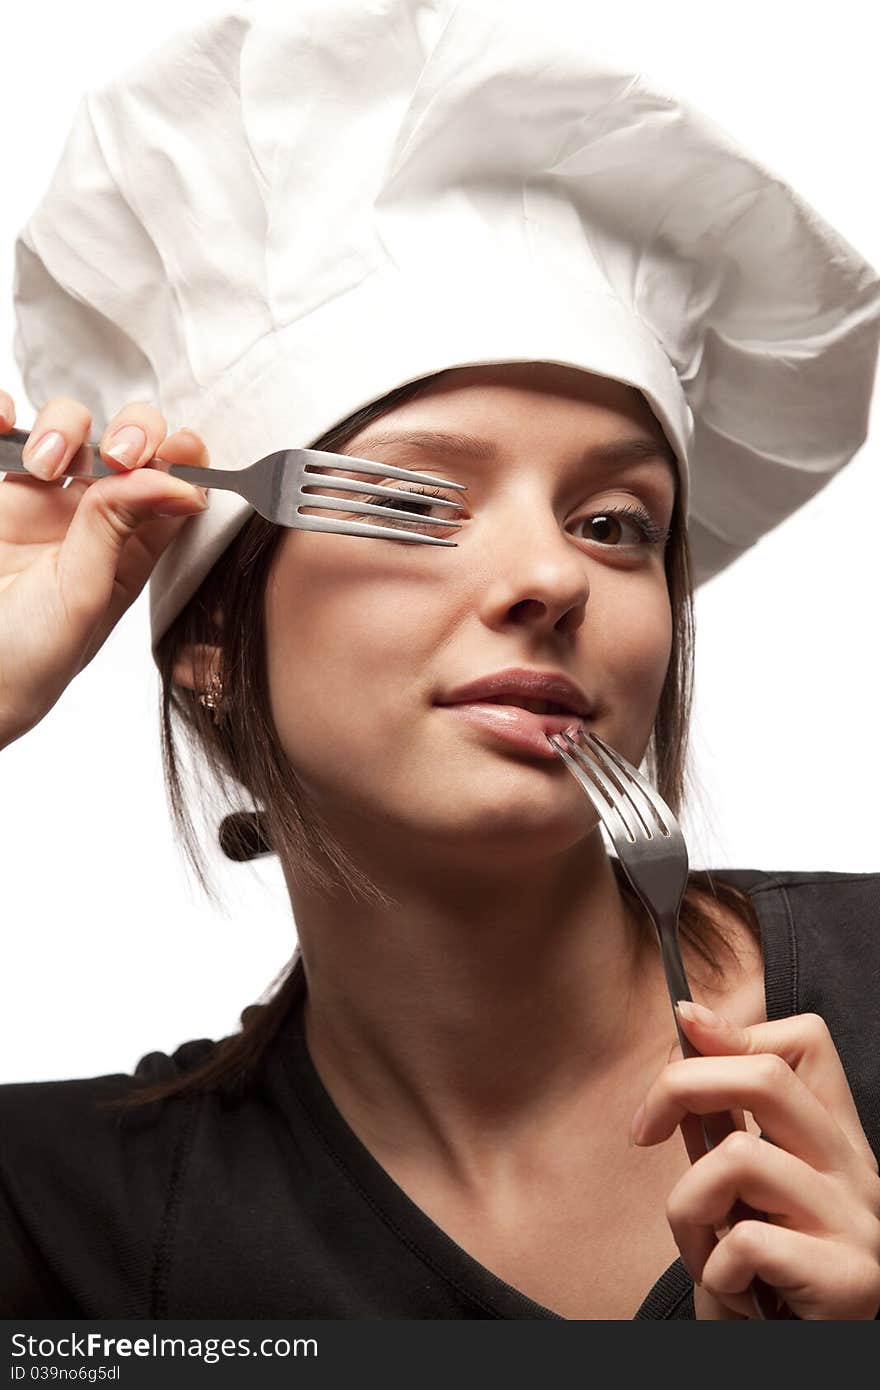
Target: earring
{"x":212,"y":699}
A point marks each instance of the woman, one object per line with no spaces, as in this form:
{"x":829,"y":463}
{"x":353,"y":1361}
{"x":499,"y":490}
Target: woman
{"x":434,"y":1109}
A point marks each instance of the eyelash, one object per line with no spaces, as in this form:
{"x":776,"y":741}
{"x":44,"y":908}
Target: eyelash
{"x":651,"y":533}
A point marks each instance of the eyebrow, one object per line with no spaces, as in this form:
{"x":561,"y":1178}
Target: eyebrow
{"x":609,"y":454}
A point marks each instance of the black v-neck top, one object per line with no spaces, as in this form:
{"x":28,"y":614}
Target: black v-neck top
{"x":269,"y":1206}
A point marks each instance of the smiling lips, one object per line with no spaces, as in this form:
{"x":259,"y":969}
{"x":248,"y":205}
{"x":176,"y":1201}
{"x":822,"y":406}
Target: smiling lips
{"x":520,"y":724}
{"x":522,"y":706}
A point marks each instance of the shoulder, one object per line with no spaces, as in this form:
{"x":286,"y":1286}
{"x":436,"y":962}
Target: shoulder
{"x":821,"y":947}
{"x":759,"y":880}
{"x":823,"y":907}
{"x":74,"y":1126}
{"x":821,"y":940}
{"x":82,"y":1105}
{"x":79,"y":1180}
{"x":804,"y":902}
{"x":827,"y":922}
{"x":808,"y":881}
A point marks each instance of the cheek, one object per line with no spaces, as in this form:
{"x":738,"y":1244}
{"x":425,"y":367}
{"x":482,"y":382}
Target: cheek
{"x":341,"y":640}
{"x":655,"y":634}
{"x":635,"y":640}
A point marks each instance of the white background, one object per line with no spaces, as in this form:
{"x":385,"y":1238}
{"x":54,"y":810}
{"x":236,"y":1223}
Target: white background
{"x":109,"y":948}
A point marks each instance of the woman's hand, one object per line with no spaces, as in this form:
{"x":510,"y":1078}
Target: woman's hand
{"x":812,"y":1171}
{"x":73,"y":559}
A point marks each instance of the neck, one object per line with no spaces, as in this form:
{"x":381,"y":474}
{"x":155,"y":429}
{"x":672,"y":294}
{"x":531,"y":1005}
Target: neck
{"x":479,"y":1004}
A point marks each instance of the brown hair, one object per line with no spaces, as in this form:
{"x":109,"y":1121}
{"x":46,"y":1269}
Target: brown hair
{"x":242,"y":755}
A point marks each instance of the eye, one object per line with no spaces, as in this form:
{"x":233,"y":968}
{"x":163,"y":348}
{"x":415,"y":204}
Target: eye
{"x":407,"y":498}
{"x":636,"y":518}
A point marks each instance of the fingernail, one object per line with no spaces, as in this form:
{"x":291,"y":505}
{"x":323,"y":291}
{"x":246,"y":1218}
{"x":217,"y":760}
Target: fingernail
{"x":181,"y":506}
{"x":697,"y":1013}
{"x":44,"y":457}
{"x":126,"y":445}
{"x":638,"y":1119}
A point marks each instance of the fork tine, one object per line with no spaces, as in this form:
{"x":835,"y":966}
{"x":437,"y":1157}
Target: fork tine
{"x":386,"y":470}
{"x":382,"y":533}
{"x":646,"y":799}
{"x":342,"y":504}
{"x":375,"y":489}
{"x":608,"y":801}
{"x":274,"y":487}
{"x":575,"y":766}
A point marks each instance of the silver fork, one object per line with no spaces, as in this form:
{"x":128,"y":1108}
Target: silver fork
{"x":275,"y":487}
{"x":652,"y":853}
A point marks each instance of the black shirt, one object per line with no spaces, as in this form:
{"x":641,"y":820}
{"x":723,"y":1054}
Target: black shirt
{"x":271,"y":1207}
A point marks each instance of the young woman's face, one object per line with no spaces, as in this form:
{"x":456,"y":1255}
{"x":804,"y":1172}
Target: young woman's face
{"x":366,"y":636}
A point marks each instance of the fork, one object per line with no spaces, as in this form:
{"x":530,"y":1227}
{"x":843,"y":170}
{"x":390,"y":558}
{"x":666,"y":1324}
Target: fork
{"x":275,"y":487}
{"x":652,"y":853}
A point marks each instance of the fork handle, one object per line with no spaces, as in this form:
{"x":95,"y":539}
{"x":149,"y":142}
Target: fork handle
{"x":86,"y":464}
{"x":717,"y":1126}
{"x":226,"y":479}
{"x":768,"y":1303}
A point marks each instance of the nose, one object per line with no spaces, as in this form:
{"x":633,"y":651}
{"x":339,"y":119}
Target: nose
{"x":536,"y":572}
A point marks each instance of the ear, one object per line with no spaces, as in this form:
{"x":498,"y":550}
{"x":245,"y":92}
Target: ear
{"x":196,"y":664}
{"x":199,"y":661}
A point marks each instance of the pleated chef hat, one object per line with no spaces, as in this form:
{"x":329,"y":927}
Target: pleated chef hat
{"x":285,"y":212}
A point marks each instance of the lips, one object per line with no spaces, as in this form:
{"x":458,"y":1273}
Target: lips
{"x":515,"y":726}
{"x":521,"y":686}
{"x":495,"y":704}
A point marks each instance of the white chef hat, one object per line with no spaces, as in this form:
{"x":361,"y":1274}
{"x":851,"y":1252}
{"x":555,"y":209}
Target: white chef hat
{"x":285,"y":212}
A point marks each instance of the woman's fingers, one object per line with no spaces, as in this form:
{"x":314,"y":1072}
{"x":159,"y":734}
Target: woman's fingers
{"x":804,"y":1042}
{"x":820,"y":1278}
{"x":134,"y":435}
{"x":73,"y":558}
{"x":143,"y":548}
{"x":184,"y":446}
{"x":812,"y":1170}
{"x":146,"y":541}
{"x":791,"y":1193}
{"x":785,"y":1108}
{"x":63,"y":425}
{"x":60,"y":428}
